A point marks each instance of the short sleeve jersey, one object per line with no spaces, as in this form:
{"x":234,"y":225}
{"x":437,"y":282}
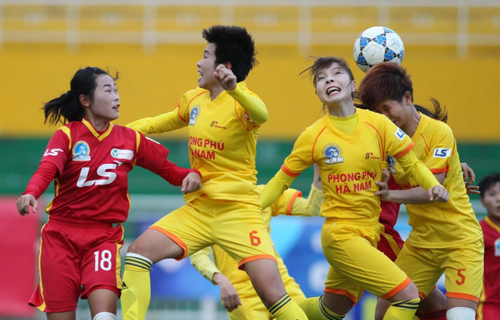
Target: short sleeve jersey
{"x":491,"y":285}
{"x":439,"y":225}
{"x":349,"y":164}
{"x":222,"y":144}
{"x":91,"y":182}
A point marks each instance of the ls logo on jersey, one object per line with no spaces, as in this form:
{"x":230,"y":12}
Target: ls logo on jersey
{"x":104,"y":171}
{"x":195,"y":112}
{"x":442,"y":152}
{"x":122,"y":154}
{"x":392,"y":164}
{"x":400,"y":134}
{"x":333,"y":154}
{"x":497,"y":247}
{"x":81,"y":151}
{"x":52,"y":152}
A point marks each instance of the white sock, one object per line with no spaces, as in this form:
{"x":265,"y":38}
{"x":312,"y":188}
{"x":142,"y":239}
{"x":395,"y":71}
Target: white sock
{"x":105,"y":316}
{"x":460,"y":313}
{"x":135,"y":255}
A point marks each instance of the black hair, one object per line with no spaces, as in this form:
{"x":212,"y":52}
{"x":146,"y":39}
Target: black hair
{"x":321,"y":63}
{"x":68,"y":106}
{"x":440,"y":113}
{"x":388,"y":80}
{"x":488,"y":181}
{"x":235,"y":45}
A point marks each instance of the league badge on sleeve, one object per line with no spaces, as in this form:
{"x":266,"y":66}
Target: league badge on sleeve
{"x":497,"y":247}
{"x":392,"y":164}
{"x":195,"y":112}
{"x":81,"y":151}
{"x":400,"y":134}
{"x":333,"y":154}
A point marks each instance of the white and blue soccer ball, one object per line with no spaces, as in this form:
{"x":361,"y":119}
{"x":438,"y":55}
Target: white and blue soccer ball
{"x":378,"y":44}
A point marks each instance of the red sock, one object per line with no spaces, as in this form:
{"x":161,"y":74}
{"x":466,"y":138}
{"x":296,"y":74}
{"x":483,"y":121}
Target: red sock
{"x":434,"y":315}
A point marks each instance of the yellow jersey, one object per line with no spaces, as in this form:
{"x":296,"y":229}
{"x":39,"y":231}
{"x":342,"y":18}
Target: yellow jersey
{"x":222,"y":141}
{"x":349,"y":164}
{"x":289,"y":203}
{"x":436,"y":224}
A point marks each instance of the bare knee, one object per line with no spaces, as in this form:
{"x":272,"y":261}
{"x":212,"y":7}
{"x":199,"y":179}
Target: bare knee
{"x":381,"y":309}
{"x":436,"y":300}
{"x":409,"y":292}
{"x":155,"y":246}
{"x":266,"y":279}
{"x":455,"y":302}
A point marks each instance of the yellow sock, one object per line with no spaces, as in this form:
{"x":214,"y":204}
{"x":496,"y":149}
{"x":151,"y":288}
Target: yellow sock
{"x":402,"y":310}
{"x":286,"y":309}
{"x":136,"y":287}
{"x":310,"y":306}
{"x":315,"y":309}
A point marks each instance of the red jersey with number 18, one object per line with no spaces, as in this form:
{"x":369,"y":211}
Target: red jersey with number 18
{"x":91,"y":182}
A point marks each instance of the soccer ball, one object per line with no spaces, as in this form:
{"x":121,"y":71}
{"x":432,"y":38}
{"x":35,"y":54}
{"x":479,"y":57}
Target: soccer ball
{"x":378,"y":44}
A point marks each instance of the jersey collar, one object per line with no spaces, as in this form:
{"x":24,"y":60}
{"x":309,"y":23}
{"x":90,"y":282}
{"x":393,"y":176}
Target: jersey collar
{"x":99,"y":136}
{"x":349,"y":138}
{"x":492,"y":224}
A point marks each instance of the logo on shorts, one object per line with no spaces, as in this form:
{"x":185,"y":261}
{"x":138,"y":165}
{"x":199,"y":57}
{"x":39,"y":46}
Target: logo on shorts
{"x":497,"y":247}
{"x":333,"y":154}
{"x":392,"y":164}
{"x":81,"y":151}
{"x":195,"y":112}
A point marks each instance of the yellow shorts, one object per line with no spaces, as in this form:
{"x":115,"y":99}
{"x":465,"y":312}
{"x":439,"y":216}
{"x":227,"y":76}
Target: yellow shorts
{"x":236,"y":227}
{"x":356,"y":264}
{"x":463,"y":269}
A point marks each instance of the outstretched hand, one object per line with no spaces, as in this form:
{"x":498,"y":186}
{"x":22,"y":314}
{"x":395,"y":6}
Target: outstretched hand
{"x":24,"y":202}
{"x":191,"y":183}
{"x":383,"y":193}
{"x":226,"y":77}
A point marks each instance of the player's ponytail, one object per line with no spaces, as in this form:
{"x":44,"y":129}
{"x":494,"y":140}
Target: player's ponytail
{"x":68,"y":106}
{"x":440,"y":113}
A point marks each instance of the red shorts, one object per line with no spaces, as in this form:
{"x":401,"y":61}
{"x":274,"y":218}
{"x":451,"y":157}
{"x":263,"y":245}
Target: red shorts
{"x":390,"y":242}
{"x":76,"y":259}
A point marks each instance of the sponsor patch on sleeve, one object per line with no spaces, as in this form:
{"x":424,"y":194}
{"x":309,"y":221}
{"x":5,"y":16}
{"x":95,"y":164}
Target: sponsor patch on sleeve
{"x":442,"y":152}
{"x":400,"y":134}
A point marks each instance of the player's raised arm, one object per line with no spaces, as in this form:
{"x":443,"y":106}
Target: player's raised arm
{"x":255,"y":107}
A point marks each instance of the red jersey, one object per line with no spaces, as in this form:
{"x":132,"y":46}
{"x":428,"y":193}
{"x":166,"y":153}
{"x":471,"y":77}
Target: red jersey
{"x":91,"y":182}
{"x":490,"y":294}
